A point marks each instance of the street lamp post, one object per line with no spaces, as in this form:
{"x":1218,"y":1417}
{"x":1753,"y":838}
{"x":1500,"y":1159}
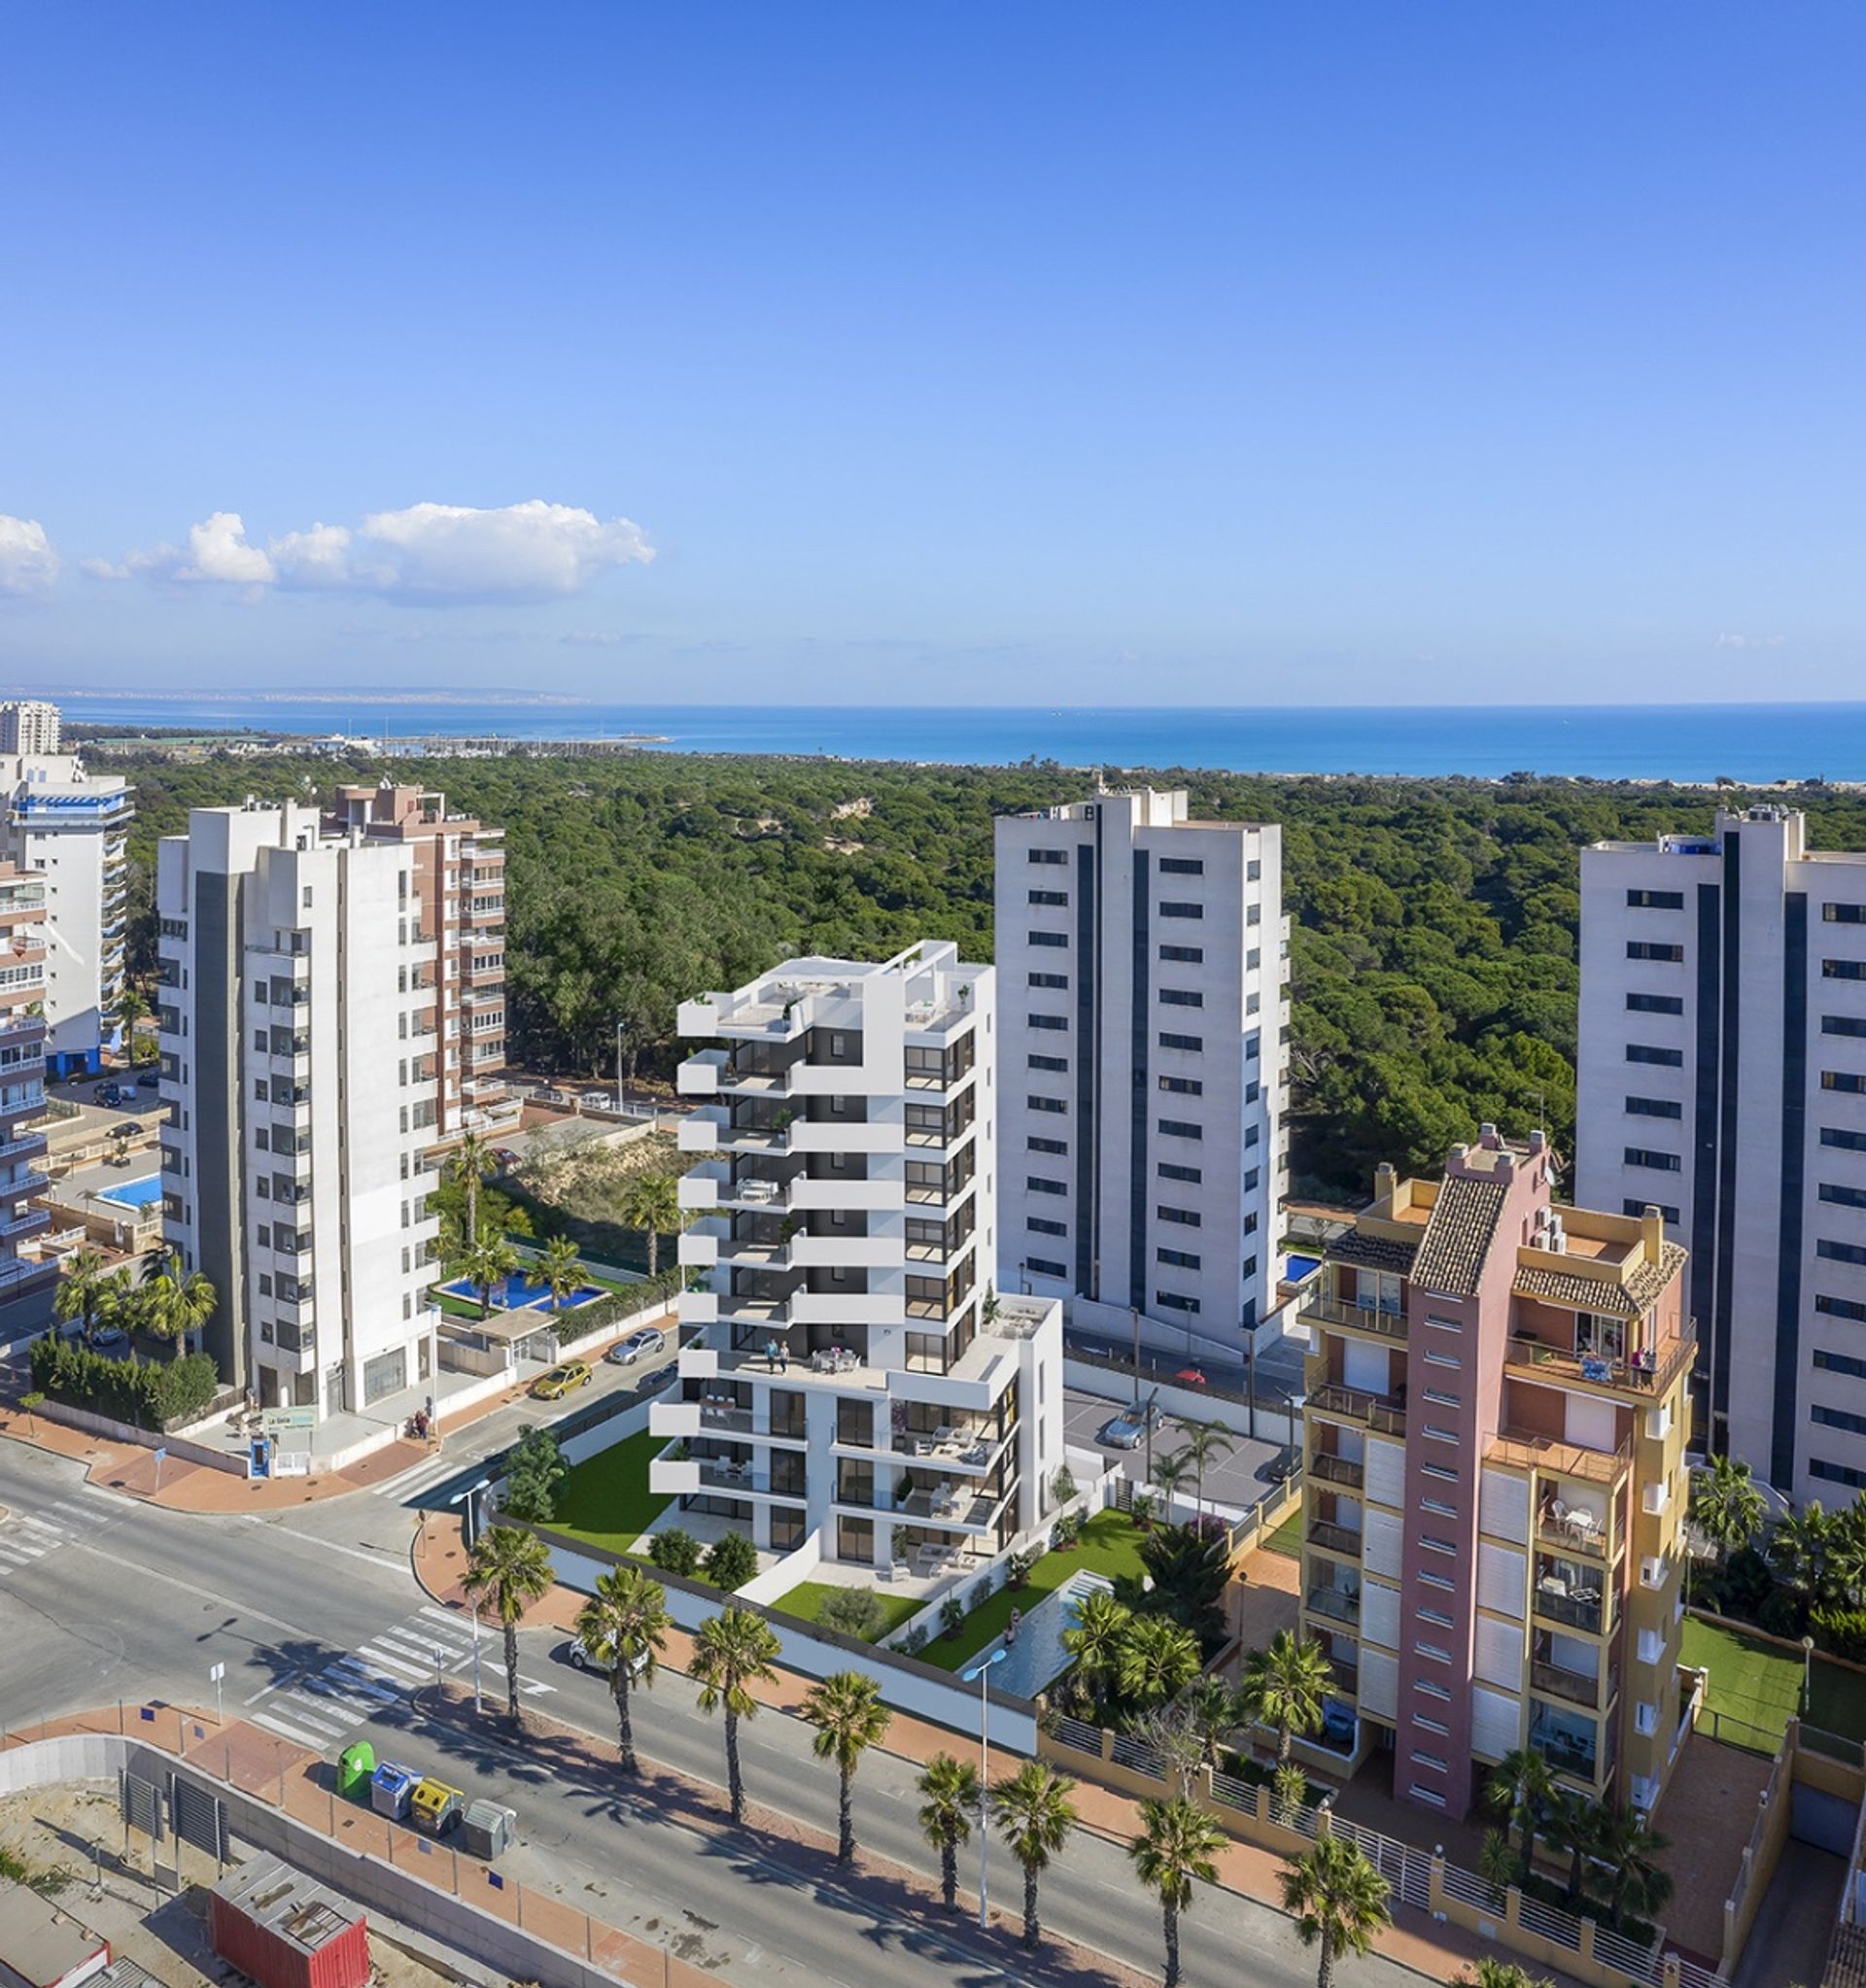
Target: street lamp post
{"x":980,"y":1672}
{"x":1806,"y":1673}
{"x":472,"y":1492}
{"x":477,"y":1706}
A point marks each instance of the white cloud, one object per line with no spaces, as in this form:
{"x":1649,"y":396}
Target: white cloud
{"x":438,"y":552}
{"x":1729,"y":640}
{"x":27,"y":560}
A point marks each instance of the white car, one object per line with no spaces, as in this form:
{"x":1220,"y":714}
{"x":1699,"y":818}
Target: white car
{"x":579,"y":1655}
{"x":644,"y":1340}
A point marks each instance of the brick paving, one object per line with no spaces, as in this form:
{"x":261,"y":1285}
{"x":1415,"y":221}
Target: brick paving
{"x":1708,"y":1811}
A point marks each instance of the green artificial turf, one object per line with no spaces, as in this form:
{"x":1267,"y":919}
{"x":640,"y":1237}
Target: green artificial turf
{"x":806,"y":1598}
{"x":1753,"y":1684}
{"x":1287,"y":1539}
{"x":1109,"y":1544}
{"x":605,"y":1500}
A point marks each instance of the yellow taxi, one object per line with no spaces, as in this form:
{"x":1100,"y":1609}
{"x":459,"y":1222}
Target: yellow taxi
{"x":562,"y":1381}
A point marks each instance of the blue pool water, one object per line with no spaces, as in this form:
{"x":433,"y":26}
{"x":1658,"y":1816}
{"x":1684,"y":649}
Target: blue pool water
{"x":520,"y":1293}
{"x":1295,"y":1268}
{"x":1037,"y":1656}
{"x":134,"y":1193}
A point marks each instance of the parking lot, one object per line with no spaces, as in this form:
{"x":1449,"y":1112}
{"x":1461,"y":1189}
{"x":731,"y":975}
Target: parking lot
{"x":1230,"y":1480}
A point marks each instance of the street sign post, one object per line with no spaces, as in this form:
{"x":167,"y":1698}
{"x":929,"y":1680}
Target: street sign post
{"x":161,"y":1457}
{"x":216,"y":1672}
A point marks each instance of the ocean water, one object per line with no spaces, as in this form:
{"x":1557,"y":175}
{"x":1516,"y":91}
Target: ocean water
{"x":1754,"y":744}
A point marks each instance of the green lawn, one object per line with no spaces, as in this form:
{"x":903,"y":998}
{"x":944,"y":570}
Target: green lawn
{"x":1287,"y":1539}
{"x":1110,"y":1545}
{"x":1755,"y":1684}
{"x":607,"y":1501}
{"x":806,"y":1598}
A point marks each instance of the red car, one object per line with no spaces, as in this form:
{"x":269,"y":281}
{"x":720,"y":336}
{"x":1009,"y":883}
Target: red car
{"x":1190,"y":1377}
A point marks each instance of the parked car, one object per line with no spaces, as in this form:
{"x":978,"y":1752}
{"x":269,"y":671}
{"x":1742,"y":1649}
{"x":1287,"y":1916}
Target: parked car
{"x":505,"y":1155}
{"x":579,"y":1655}
{"x":115,"y":1094}
{"x":562,"y":1381}
{"x":1125,"y":1431}
{"x":151,"y":1080}
{"x":644,"y":1340}
{"x":1284,"y":1464}
{"x":657,"y":1378}
{"x":109,"y":1339}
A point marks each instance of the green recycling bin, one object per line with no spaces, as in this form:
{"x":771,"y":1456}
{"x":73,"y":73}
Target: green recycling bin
{"x":356,"y":1768}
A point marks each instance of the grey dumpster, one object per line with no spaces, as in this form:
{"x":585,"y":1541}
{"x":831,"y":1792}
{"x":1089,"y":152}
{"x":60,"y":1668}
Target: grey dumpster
{"x":487,"y":1830}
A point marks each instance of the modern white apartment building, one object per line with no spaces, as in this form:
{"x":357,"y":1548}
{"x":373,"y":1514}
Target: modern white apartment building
{"x":1723,"y":1078}
{"x":1144,"y":989}
{"x":310,"y":1001}
{"x":22,"y":1091}
{"x":856,"y":1375}
{"x":69,"y":826}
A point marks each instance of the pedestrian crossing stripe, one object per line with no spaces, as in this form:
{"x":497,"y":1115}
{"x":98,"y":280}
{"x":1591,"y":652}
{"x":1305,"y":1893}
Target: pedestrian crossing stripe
{"x":286,"y":1730}
{"x":391,"y":1661}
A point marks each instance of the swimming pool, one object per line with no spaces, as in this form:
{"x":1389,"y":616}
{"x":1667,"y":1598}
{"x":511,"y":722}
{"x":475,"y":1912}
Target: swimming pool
{"x":134,"y":1193}
{"x":519,"y":1294}
{"x":1038,"y":1657}
{"x":1297,"y":1268}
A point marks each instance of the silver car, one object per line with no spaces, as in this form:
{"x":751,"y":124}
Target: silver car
{"x":644,"y":1340}
{"x":1123,"y":1433}
{"x":580,"y":1657}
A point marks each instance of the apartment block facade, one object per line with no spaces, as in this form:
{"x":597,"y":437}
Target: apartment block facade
{"x":852,"y":1372}
{"x":22,"y":1093}
{"x":1722,"y":1078}
{"x":1497,"y":1414}
{"x":1143,"y":984}
{"x":69,"y":826}
{"x":312,"y":1032}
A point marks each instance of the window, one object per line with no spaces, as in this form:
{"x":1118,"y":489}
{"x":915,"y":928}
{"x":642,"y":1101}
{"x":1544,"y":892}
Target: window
{"x":1047,"y":1021}
{"x":1249,"y":1180}
{"x":1060,"y":1064}
{"x":1044,"y":1267}
{"x":1250,"y":1223}
{"x":1178,"y":1260}
{"x":1048,"y":938}
{"x":1836,"y":1473}
{"x":1445,"y":1471}
{"x":1038,"y":1104}
{"x":1049,"y":855}
{"x":1847,"y":1141}
{"x":1649,"y":1052}
{"x":1841,"y":1252}
{"x":1181,"y":910}
{"x":1253,"y":871}
{"x":1184,"y":1086}
{"x":1438,"y":1619}
{"x":1187,"y":1217}
{"x":1049,"y":897}
{"x":1035,"y":1144}
{"x":1844,"y":1079}
{"x":1041,"y":1225}
{"x":1640,"y":948}
{"x":1654,"y":1108}
{"x":1843,"y":1025}
{"x":1434,"y":1544}
{"x":1175,"y":1301}
{"x":1181,"y":997}
{"x":1635,"y":1208}
{"x":1841,"y":1363}
{"x":1037,"y":1185}
{"x":1843,"y":970}
{"x":1250,"y":1270}
{"x":1655,"y":900}
{"x":1170,"y":1040}
{"x":1181,"y":866}
{"x":1183,"y":955}
{"x":1169,"y":1172}
{"x":1655,"y":1003}
{"x":1180,"y":1128}
{"x":1441,"y":1360}
{"x":1659,"y":1162}
{"x":1841,"y":1308}
{"x":1844,"y":914}
{"x":1843,"y":1197}
{"x":1049,"y":980}
{"x":1253,"y":1045}
{"x":1838,"y":1418}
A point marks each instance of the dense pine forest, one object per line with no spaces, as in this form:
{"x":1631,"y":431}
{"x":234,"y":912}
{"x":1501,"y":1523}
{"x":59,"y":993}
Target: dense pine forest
{"x":1433,"y":947}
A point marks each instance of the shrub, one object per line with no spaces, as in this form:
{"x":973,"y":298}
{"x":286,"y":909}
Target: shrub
{"x":951,"y":1615}
{"x":732,"y":1562}
{"x":150,"y":1394}
{"x":1017,"y":1569}
{"x":1146,"y":1510}
{"x":532,"y":1474}
{"x":675,"y":1552}
{"x":1747,"y":1582}
{"x":1289,"y":1790}
{"x":1843,"y":1631}
{"x":915,"y":1639}
{"x":1068,"y":1530}
{"x":1782,"y":1613}
{"x":854,"y":1612}
{"x":1063,"y":1487}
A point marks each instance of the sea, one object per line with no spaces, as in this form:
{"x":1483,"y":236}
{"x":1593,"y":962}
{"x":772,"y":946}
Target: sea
{"x":1751,"y":745}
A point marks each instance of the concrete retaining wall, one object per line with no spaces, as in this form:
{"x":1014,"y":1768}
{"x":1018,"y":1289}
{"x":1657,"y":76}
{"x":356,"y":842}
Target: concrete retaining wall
{"x":180,"y":1448}
{"x":1191,"y":1404}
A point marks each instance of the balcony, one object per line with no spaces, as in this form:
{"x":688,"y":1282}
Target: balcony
{"x":1641,"y":1375}
{"x":1558,"y":1682}
{"x":1326,"y":1468}
{"x":1338,"y":1604}
{"x":1564,"y":1750}
{"x":1574,"y":1533}
{"x":1525,"y":1450}
{"x":1385,"y":1413}
{"x":1555,"y":1600}
{"x":34,"y":1222}
{"x":1325,"y":1311}
{"x":1333,"y":1538}
{"x":962,"y":1448}
{"x":721,"y":1417}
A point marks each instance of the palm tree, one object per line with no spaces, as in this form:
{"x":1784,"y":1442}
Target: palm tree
{"x":850,"y":1718}
{"x":1157,"y":1659}
{"x":470,"y":1163}
{"x":1631,"y":1849}
{"x":953,"y":1796}
{"x":179,"y":1301}
{"x":1570,"y":1829}
{"x":561,"y":1269}
{"x":733,"y":1650}
{"x":132,"y":1007}
{"x":1176,"y":1848}
{"x":1096,"y":1641}
{"x":1520,"y":1791}
{"x":624,"y":1625}
{"x":1498,"y":1864}
{"x":1204,"y":1441}
{"x":1726,"y":1507}
{"x":490,"y":1260}
{"x":1034,"y":1816}
{"x":652,"y":1203}
{"x":1799,"y":1549}
{"x":1211,"y":1708}
{"x":510,"y":1569}
{"x":1336,"y":1898}
{"x":1491,"y":1972}
{"x":81,"y":1292}
{"x":1172,"y":1474}
{"x":1285,"y":1686}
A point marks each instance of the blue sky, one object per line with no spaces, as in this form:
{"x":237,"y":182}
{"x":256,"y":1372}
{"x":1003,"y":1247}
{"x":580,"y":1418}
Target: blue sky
{"x":1028,"y":355}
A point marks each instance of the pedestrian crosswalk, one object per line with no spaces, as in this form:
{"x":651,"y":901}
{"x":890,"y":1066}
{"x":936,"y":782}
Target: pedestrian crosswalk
{"x":419,"y":1478}
{"x":318,"y":1709}
{"x":28,"y":1536}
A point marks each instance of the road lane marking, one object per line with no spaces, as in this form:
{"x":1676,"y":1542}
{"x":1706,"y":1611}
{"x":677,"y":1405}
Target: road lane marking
{"x":288,"y":1731}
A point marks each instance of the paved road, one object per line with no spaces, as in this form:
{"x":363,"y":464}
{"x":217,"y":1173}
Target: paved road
{"x":1232,"y":1480}
{"x":325,"y":1635}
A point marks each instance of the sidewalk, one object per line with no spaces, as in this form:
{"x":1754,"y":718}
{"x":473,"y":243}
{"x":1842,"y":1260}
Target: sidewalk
{"x":1437,"y":1952}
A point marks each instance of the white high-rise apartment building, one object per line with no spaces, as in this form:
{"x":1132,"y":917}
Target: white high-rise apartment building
{"x":28,"y":727}
{"x":1722,"y":1079}
{"x":69,"y":826}
{"x":1143,"y":987}
{"x":856,"y":1375}
{"x":311,"y":1015}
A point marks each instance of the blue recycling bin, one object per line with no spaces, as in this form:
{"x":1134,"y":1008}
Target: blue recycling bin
{"x":390,"y":1789}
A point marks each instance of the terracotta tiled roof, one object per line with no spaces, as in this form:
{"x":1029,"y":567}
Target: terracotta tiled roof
{"x":1459,"y":1235}
{"x":1371,"y":1252}
{"x":1602,"y":1294}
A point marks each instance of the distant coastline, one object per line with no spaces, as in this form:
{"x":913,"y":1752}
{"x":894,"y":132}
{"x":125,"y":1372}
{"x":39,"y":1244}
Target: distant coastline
{"x":1753,"y":745}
